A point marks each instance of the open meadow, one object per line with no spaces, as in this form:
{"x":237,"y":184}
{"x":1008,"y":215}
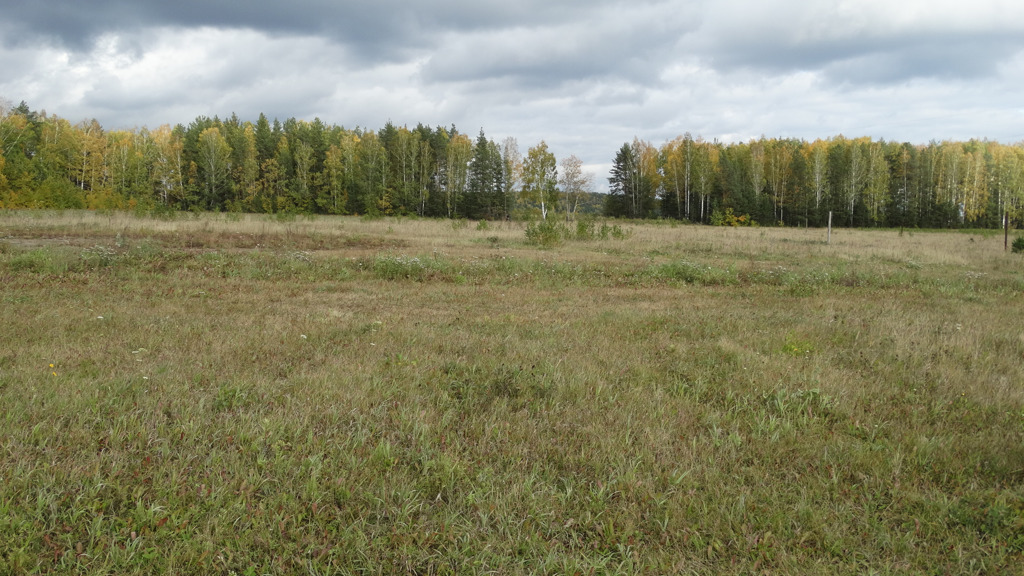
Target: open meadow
{"x":257,"y":395}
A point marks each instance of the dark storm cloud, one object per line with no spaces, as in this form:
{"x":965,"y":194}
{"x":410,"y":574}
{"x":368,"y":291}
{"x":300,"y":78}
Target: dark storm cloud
{"x":383,"y":29}
{"x":75,"y":25}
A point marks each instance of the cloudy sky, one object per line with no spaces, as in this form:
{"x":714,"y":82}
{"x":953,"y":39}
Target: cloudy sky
{"x":583,"y":75}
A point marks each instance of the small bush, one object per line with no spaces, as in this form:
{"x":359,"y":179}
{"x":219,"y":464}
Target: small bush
{"x":585,"y":229}
{"x":1018,"y":245}
{"x":728,"y":218}
{"x":614,"y":231}
{"x":548,"y":233}
{"x":162,"y":211}
{"x":545,"y":233}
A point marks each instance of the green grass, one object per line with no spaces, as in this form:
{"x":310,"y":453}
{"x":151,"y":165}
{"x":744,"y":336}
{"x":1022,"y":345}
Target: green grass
{"x":346,"y":396}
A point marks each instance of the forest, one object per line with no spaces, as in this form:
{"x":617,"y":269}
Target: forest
{"x":300,"y":166}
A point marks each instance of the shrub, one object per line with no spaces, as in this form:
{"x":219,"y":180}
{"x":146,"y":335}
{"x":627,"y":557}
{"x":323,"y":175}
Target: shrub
{"x":614,"y":231}
{"x":585,"y":229}
{"x":1018,"y":245}
{"x":728,"y":218}
{"x":544,"y":233}
{"x":548,"y":233}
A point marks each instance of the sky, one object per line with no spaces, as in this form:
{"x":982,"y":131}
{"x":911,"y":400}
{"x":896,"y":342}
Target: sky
{"x":585,"y":76}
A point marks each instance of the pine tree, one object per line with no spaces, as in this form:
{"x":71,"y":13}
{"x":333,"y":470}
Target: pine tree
{"x":633,"y":181}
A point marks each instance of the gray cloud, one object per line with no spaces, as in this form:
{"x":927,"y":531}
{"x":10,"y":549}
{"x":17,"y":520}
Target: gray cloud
{"x":611,"y":42}
{"x":583,"y":75}
{"x":868,"y":41}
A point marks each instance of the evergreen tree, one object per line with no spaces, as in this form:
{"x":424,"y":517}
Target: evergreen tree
{"x":266,"y":143}
{"x":484,"y":187}
{"x":633,"y":181}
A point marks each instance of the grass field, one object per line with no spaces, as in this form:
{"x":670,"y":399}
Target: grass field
{"x":251,"y":395}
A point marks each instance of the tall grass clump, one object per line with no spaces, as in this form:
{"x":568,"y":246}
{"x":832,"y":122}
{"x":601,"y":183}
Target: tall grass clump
{"x":401,"y":267}
{"x":690,"y":273}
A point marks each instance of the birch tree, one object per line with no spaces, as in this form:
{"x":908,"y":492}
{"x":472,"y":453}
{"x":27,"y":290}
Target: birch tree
{"x":575,"y":184}
{"x":215,"y":153}
{"x":779,"y":158}
{"x":168,"y":169}
{"x":757,"y":179}
{"x":705,"y":170}
{"x":817,"y":162}
{"x":511,"y":172}
{"x":456,"y":170}
{"x":540,"y":178}
{"x":877,"y":181}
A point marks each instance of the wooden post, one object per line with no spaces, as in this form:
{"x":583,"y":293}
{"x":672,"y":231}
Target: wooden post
{"x":1006,"y":230}
{"x":829,"y":240}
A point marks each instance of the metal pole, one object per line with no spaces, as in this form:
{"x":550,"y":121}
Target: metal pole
{"x":829,"y":240}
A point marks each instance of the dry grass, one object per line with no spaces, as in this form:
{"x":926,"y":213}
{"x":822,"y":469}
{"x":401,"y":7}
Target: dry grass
{"x":415,"y":397}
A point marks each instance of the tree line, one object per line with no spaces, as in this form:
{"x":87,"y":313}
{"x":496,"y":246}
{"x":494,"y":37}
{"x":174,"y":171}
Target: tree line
{"x":861,"y":182}
{"x":299,"y":166}
{"x":271,"y":166}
